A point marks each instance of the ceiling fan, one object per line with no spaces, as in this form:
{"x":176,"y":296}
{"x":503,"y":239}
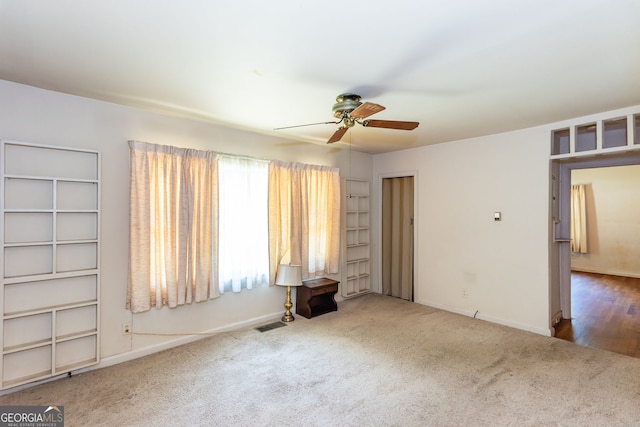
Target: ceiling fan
{"x":349,"y":110}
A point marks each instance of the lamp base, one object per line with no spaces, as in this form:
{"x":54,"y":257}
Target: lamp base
{"x":288,"y":317}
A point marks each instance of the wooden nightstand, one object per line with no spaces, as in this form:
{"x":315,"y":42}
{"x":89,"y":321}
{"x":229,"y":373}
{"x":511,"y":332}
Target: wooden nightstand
{"x":316,"y":297}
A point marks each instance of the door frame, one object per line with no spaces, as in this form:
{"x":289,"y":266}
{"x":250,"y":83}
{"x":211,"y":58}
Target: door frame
{"x":561,"y":268}
{"x":381,"y":177}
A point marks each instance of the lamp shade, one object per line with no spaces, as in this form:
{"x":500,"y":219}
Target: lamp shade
{"x":289,"y":275}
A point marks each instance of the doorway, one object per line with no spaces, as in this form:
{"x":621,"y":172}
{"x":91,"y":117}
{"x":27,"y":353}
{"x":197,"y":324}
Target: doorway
{"x":561,"y":251}
{"x":397,"y":237}
{"x":605,"y":272}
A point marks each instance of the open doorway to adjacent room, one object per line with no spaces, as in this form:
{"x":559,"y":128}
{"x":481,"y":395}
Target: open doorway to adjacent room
{"x":600,"y":279}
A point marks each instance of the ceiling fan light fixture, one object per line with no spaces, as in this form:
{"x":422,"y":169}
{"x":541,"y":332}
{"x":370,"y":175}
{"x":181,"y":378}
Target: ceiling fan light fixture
{"x":345,"y":103}
{"x":348,"y":121}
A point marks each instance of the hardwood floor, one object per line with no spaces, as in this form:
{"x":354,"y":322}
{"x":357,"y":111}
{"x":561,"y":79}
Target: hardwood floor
{"x":605,"y":313}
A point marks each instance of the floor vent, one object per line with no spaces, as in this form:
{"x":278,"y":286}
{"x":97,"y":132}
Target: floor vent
{"x":271,"y":326}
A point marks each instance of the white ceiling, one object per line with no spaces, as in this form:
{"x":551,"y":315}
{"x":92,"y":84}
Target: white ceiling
{"x":462,"y":68}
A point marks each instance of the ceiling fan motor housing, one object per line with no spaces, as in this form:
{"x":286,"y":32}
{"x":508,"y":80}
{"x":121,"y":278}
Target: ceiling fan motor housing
{"x":346,"y":103}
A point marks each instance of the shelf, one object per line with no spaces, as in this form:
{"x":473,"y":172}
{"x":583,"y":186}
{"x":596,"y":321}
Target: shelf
{"x":41,"y":343}
{"x":51,"y":251}
{"x":50,"y":309}
{"x":27,"y":244}
{"x":29,"y":210}
{"x":75,"y":242}
{"x":586,"y":138}
{"x":353,"y":261}
{"x":20,"y":366}
{"x":613,"y":135}
{"x":49,"y":178}
{"x":69,"y":337}
{"x":357,"y":293}
{"x":26,"y":346}
{"x":75,"y":366}
{"x":50,"y":243}
{"x":51,"y":276}
{"x":357,"y":246}
{"x":50,"y":211}
{"x":361,"y":276}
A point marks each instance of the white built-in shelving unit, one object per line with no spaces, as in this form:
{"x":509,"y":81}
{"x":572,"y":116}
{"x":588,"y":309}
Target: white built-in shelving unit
{"x":356,"y":279}
{"x":617,"y":134}
{"x":50,"y":202}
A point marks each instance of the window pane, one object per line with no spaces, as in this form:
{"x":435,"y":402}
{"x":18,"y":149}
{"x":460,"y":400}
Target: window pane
{"x":243,"y":223}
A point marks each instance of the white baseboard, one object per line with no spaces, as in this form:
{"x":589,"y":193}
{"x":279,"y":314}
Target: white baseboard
{"x":478,"y":315}
{"x":137,"y":353}
{"x":146,"y":351}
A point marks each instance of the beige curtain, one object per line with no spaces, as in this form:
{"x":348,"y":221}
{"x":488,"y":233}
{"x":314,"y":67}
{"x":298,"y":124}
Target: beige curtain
{"x":173,"y":192}
{"x":397,"y":237}
{"x":304,"y":218}
{"x":578,"y":219}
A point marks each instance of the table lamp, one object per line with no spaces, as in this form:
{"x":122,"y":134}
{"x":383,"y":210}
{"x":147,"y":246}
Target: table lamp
{"x":288,"y":275}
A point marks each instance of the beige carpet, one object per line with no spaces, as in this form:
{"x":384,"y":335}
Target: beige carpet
{"x":378,"y":361}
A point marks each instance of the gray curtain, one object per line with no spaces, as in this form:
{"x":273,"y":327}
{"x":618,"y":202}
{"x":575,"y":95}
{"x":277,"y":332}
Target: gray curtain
{"x":397,"y":237}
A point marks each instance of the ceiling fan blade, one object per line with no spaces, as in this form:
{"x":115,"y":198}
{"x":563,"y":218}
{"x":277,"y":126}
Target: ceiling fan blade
{"x":337,"y":135}
{"x":390,"y":124}
{"x":366,"y":110}
{"x":308,"y":124}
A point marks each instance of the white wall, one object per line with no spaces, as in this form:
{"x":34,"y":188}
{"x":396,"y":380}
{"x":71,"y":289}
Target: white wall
{"x":33,"y":115}
{"x":510,"y":269}
{"x":503,"y":265}
{"x":613,"y":220}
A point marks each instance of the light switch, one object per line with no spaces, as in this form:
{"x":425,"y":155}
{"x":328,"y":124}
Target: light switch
{"x":497,"y":216}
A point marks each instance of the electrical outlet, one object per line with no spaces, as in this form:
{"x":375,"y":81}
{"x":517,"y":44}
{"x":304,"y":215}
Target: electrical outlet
{"x":126,"y":329}
{"x":465,"y":293}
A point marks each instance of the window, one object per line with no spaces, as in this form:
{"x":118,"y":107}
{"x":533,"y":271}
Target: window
{"x":243,"y":223}
{"x":202,"y":224}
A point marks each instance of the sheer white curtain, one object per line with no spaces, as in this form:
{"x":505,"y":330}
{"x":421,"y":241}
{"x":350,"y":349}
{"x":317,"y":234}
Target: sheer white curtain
{"x":578,"y":219}
{"x":304,"y":218}
{"x":172,"y":215}
{"x":243,"y":223}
